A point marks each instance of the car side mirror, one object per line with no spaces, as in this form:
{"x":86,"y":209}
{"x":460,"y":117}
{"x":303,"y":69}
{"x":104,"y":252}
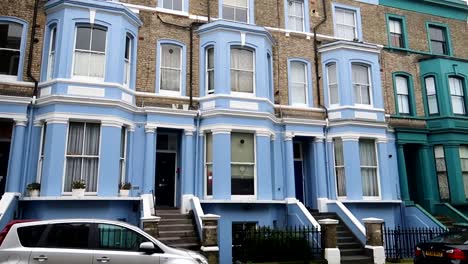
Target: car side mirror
{"x":147,"y":247}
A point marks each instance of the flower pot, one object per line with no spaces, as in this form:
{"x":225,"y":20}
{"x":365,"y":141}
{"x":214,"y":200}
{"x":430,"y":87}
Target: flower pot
{"x":78,"y":192}
{"x":33,"y":193}
{"x":124,"y":193}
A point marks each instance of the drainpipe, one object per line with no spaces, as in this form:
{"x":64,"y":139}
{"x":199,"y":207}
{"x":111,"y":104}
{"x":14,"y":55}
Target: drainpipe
{"x":208,"y":10}
{"x":33,"y":40}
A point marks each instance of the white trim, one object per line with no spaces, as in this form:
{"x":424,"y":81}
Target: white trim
{"x":212,"y":201}
{"x":209,"y":249}
{"x":334,"y":115}
{"x":170,"y":11}
{"x":6,"y":99}
{"x":170,"y":125}
{"x":86,"y":91}
{"x":14,"y":116}
{"x":365,"y":115}
{"x":73,"y":198}
{"x":64,"y":117}
{"x":350,"y":215}
{"x":346,"y":44}
{"x":228,"y":128}
{"x":244,"y":105}
{"x":354,"y":107}
{"x":357,"y":136}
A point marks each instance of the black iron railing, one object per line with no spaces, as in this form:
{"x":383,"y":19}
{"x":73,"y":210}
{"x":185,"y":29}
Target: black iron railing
{"x":265,"y":244}
{"x":400,"y":242}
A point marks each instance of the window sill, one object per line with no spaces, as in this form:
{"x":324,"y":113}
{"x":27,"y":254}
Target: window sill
{"x":170,"y":93}
{"x":172,"y":12}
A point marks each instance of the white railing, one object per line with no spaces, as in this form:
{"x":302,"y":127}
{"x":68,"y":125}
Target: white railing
{"x":198,"y":213}
{"x":147,"y":208}
{"x":7,"y":203}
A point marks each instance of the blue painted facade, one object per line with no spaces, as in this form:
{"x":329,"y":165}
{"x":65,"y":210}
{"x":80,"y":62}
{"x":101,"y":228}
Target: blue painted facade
{"x":41,"y":134}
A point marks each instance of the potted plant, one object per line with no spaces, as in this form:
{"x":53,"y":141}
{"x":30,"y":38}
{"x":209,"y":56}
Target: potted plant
{"x":124,"y":189}
{"x":78,"y":188}
{"x":33,"y":189}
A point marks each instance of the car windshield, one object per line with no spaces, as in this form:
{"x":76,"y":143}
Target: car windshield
{"x":452,"y":238}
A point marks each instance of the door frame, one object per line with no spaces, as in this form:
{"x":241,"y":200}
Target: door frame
{"x":303,"y":179}
{"x":175,"y":172}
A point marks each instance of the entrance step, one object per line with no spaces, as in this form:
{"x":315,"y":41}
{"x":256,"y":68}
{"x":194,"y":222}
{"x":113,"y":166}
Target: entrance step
{"x":351,"y":249}
{"x":447,"y":221}
{"x":176,"y":229}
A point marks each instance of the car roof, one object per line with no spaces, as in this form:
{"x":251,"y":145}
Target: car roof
{"x":73,"y":220}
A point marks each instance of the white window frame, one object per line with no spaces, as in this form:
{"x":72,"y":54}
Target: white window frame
{"x":371,"y":101}
{"x":343,"y":197}
{"x":128,"y":61}
{"x":292,"y":82}
{"x":288,"y":26}
{"x":89,"y":78}
{"x":402,"y":95}
{"x":431,"y":95}
{"x":208,"y":70}
{"x":377,"y":168}
{"x":452,"y":95}
{"x":123,"y":159}
{"x":330,"y":84}
{"x":40,"y":161}
{"x":81,"y":156}
{"x":355,"y":26}
{"x":168,"y":92}
{"x":51,"y":57}
{"x":244,"y":94}
{"x":252,"y":196}
{"x":8,"y":77}
{"x":206,"y":167}
{"x":172,"y":4}
{"x":235,"y":9}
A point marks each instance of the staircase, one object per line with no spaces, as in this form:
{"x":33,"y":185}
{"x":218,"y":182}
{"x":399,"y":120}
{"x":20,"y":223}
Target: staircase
{"x":351,"y":249}
{"x":445,"y":220}
{"x":176,"y":229}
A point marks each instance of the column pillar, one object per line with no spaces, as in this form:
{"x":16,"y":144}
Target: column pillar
{"x":109,"y":173}
{"x":54,"y":157}
{"x":289,"y":160}
{"x":404,"y":189}
{"x":221,"y":164}
{"x":320,"y":175}
{"x":454,"y":173}
{"x":15,"y":163}
{"x":264,"y":174}
{"x":188,"y":172}
{"x":210,"y":244}
{"x":374,"y":239}
{"x":329,"y":241}
{"x":352,"y":164}
{"x":150,"y":159}
{"x":386,"y":185}
{"x":429,"y":177}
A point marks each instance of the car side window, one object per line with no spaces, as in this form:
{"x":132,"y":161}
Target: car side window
{"x":29,"y":235}
{"x":67,"y":235}
{"x":113,"y":237}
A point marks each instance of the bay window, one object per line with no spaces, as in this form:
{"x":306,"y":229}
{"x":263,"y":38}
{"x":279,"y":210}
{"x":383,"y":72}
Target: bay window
{"x":209,"y":164}
{"x":441,"y":169}
{"x":236,"y":10}
{"x":51,"y":58}
{"x":361,"y":84}
{"x":82,"y":156}
{"x":170,"y":69}
{"x":10,"y":47}
{"x":242,"y":70}
{"x":431,"y":95}
{"x":127,"y":60}
{"x":242,"y":164}
{"x":457,"y":95}
{"x":210,"y":71}
{"x":339,"y":167}
{"x":333,"y":93}
{"x":403,"y":98}
{"x":464,"y":167}
{"x":369,"y":168}
{"x":299,"y":83}
{"x":40,"y":163}
{"x":296,"y":15}
{"x":90,"y":51}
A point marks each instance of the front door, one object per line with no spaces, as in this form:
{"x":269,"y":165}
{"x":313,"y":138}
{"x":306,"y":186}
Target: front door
{"x":299,"y":171}
{"x":165,"y":178}
{"x":4,"y":156}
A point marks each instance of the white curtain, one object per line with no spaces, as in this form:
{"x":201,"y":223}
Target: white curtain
{"x":339,"y":167}
{"x":296,"y":15}
{"x":333,"y":84}
{"x":367,"y":155}
{"x":361,"y":84}
{"x":403,"y":95}
{"x":89,"y":64}
{"x":457,"y":95}
{"x":345,"y":24}
{"x":299,"y":83}
{"x":441,"y":168}
{"x":431,"y":95}
{"x":464,"y":167}
{"x":242,"y":70}
{"x":171,"y":70}
{"x":210,"y":69}
{"x":82,"y":155}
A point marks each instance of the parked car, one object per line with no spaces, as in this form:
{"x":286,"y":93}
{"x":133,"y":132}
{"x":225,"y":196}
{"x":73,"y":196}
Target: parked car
{"x":450,"y":247}
{"x":85,"y":241}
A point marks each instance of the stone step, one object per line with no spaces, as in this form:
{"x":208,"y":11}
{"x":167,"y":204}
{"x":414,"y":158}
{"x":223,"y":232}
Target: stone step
{"x":344,"y":239}
{"x":352,"y":252}
{"x":177,"y":233}
{"x":359,"y":259}
{"x":193,"y":246}
{"x":171,"y":221}
{"x":177,"y":227}
{"x":174,"y":216}
{"x":349,"y":245}
{"x":178,"y":240}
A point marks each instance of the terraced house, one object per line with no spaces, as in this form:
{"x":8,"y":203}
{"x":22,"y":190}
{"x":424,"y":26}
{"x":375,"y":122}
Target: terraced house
{"x":252,"y":112}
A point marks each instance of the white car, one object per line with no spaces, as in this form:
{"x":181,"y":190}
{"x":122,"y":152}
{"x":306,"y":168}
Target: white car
{"x":86,"y":241}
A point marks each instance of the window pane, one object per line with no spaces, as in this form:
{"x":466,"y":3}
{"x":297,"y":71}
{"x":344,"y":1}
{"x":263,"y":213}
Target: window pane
{"x":431,"y":95}
{"x":10,"y":35}
{"x":72,"y":172}
{"x":456,"y":86}
{"x":53,"y":34}
{"x":83,"y":37}
{"x":298,"y":72}
{"x":403,"y":104}
{"x":10,"y":62}
{"x":75,"y":138}
{"x":228,"y":12}
{"x":368,"y":159}
{"x":432,"y":102}
{"x":177,"y":5}
{"x":458,"y":104}
{"x":367,"y":152}
{"x":430,"y":86}
{"x":241,"y":15}
{"x":339,"y":167}
{"x":395,"y":26}
{"x":167,"y":4}
{"x":402,"y":85}
{"x":242,"y":180}
{"x":242,"y":147}
{"x":112,"y":237}
{"x":210,"y":60}
{"x":171,"y":56}
{"x":438,"y":47}
{"x":68,"y":236}
{"x":170,"y":80}
{"x":99,"y":40}
{"x":437,"y":34}
{"x":360,"y":74}
{"x":127,"y":47}
{"x":90,"y":173}
{"x":298,"y":94}
{"x":92,"y":139}
{"x":29,"y":235}
{"x":209,"y":147}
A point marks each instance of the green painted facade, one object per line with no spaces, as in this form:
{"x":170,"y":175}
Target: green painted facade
{"x":453,"y":9}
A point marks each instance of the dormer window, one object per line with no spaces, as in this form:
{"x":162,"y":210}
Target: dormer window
{"x":90,"y":51}
{"x":242,"y":70}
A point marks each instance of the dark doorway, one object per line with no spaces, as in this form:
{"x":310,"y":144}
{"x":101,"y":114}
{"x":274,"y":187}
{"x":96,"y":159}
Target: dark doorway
{"x":6,"y":129}
{"x":413,"y":171}
{"x":299,"y":171}
{"x":165,"y":178}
